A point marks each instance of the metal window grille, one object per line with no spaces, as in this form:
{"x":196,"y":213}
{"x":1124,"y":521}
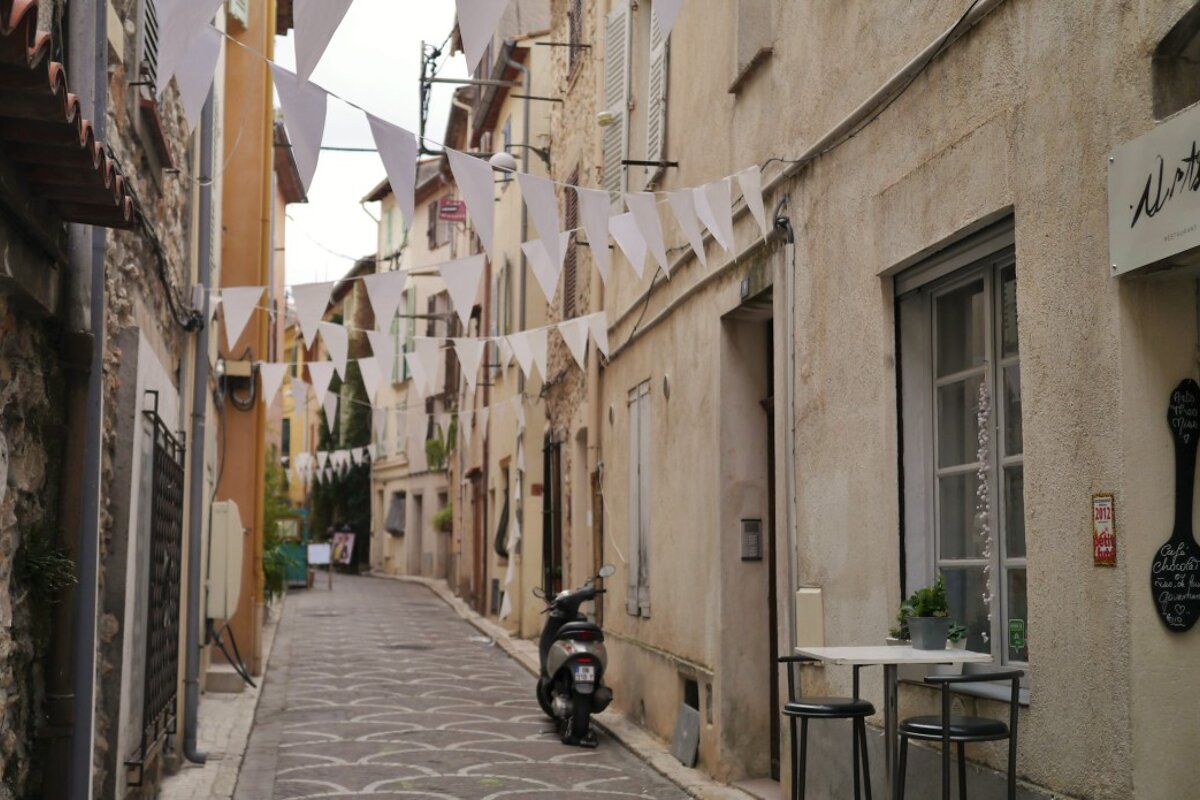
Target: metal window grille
{"x":570,"y":266}
{"x":162,"y":624}
{"x":575,"y":26}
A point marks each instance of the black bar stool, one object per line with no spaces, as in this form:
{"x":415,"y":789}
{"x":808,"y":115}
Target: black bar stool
{"x":961,"y":730}
{"x":803,"y":709}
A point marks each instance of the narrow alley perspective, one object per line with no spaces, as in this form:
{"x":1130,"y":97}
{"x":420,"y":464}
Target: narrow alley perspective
{"x":378,"y":689}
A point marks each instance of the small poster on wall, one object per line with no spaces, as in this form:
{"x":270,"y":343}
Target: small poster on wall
{"x":343,"y":548}
{"x":1104,"y":530}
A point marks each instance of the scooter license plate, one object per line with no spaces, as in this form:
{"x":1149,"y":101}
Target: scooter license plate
{"x":585,"y":674}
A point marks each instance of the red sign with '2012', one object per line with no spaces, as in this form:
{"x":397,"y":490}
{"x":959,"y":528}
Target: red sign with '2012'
{"x":1104,"y":530}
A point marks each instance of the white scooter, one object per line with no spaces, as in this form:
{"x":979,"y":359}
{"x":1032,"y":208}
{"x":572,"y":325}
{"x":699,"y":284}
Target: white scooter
{"x":570,"y":688}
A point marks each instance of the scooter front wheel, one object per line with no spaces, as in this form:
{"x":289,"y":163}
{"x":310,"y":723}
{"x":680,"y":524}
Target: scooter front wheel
{"x":543,"y":697}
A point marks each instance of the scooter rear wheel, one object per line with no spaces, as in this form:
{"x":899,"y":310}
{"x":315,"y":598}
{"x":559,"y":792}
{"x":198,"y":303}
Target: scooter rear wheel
{"x":579,"y":726}
{"x":543,"y":697}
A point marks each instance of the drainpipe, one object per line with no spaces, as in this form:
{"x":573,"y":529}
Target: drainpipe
{"x":191,"y":675}
{"x":524,"y":211}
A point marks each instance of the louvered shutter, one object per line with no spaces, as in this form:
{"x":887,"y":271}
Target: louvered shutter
{"x":616,"y":99}
{"x":656,"y":100}
{"x":149,"y":59}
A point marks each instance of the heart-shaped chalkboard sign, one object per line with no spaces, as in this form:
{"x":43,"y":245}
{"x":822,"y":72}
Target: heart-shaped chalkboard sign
{"x":1175,"y":571}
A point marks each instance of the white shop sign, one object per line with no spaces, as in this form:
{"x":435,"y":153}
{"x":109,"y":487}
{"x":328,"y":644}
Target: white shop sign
{"x":1154,"y":197}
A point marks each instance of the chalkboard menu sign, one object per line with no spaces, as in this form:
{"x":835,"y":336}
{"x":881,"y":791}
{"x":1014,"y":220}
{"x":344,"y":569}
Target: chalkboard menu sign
{"x":1175,"y":571}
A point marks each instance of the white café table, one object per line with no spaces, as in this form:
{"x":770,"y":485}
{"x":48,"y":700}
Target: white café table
{"x":890,"y":658}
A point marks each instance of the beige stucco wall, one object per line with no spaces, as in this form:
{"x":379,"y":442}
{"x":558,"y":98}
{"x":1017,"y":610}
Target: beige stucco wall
{"x":1018,"y":115}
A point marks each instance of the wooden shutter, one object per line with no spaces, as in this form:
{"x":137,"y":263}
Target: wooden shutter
{"x":616,"y":99}
{"x":149,"y":51}
{"x":656,"y":100}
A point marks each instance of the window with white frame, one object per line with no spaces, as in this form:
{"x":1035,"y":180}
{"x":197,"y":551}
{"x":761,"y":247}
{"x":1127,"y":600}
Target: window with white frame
{"x":963,"y":459}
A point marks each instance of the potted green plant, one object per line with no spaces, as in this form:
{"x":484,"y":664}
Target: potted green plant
{"x":928,"y":616}
{"x":443,"y":518}
{"x":900,"y":635}
{"x":956,"y":636}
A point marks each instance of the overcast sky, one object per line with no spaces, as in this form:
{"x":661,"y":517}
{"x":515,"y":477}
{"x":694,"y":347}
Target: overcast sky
{"x":375,"y":61}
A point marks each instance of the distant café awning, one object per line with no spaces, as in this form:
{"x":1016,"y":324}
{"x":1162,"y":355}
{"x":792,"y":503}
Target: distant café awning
{"x":43,"y":133}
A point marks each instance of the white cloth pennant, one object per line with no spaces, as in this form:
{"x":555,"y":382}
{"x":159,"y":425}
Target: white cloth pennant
{"x":337,"y":342}
{"x":398,"y":151}
{"x":427,"y":352}
{"x":239,"y":303}
{"x":575,"y":333}
{"x":322,"y":459}
{"x":683,"y":206}
{"x":331,"y":406}
{"x":539,"y":339}
{"x":299,"y":393}
{"x":714,"y":205}
{"x":383,"y":347}
{"x":477,"y":23}
{"x":474,"y":179}
{"x":372,"y":450}
{"x":385,"y":291}
{"x":598,"y":323}
{"x":464,"y":422}
{"x":462,"y":282}
{"x":310,"y":300}
{"x":523,"y":351}
{"x":417,"y":370}
{"x":666,"y":11}
{"x":315,"y":22}
{"x":543,"y":210}
{"x":328,"y":474}
{"x":481,"y":419}
{"x":356,"y":456}
{"x":520,"y":449}
{"x":379,"y":422}
{"x":624,"y":229}
{"x":506,"y":606}
{"x":645,"y":212}
{"x":270,"y":377}
{"x":178,"y":23}
{"x":750,"y":182}
{"x":594,"y":205}
{"x":368,"y":369}
{"x":194,"y":76}
{"x":304,"y":107}
{"x":506,"y":351}
{"x":518,"y":407}
{"x":470,"y":356}
{"x":545,"y":267}
{"x":321,"y":373}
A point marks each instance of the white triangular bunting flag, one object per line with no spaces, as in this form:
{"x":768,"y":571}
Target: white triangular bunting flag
{"x":195,"y":73}
{"x":315,"y":22}
{"x":683,"y":206}
{"x":477,"y":23}
{"x":594,"y":205}
{"x":645,"y":211}
{"x":750,"y":182}
{"x":470,"y":355}
{"x":714,"y":205}
{"x":598,"y":323}
{"x":304,"y":106}
{"x":383,"y":347}
{"x":372,"y":450}
{"x":385,"y":291}
{"x":575,"y":333}
{"x":625,"y":231}
{"x":543,"y":210}
{"x":239,"y":303}
{"x":427,"y":352}
{"x":666,"y":11}
{"x":330,"y":405}
{"x":462,"y":282}
{"x":545,"y":268}
{"x":474,"y":179}
{"x":523,"y":351}
{"x":299,"y":393}
{"x":328,"y":474}
{"x":178,"y":23}
{"x":539,"y":339}
{"x":322,"y":459}
{"x":521,"y":447}
{"x":321,"y":374}
{"x":271,"y":378}
{"x":518,"y":405}
{"x":506,"y":351}
{"x":379,"y":421}
{"x":310,"y":300}
{"x":368,"y":369}
{"x":398,"y":151}
{"x":417,"y":370}
{"x":337,"y":342}
{"x":356,"y":456}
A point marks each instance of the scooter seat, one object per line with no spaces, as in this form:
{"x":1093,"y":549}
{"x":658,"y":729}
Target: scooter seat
{"x":581,"y":632}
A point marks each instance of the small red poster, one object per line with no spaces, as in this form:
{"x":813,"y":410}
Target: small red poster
{"x":1104,"y":530}
{"x":452,"y":210}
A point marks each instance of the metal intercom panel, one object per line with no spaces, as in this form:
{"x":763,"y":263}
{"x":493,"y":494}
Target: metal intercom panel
{"x":752,"y":540}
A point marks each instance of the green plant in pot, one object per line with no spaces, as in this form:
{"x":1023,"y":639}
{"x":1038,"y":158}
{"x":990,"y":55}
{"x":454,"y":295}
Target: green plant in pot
{"x":928,"y":616}
{"x":956,"y":635}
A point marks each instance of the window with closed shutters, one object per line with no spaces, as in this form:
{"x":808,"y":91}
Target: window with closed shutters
{"x":570,"y":296}
{"x":656,"y":100}
{"x":615,"y":139}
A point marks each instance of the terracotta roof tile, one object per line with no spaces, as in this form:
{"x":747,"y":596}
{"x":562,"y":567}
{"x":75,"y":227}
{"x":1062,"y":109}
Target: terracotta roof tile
{"x":43,"y":131}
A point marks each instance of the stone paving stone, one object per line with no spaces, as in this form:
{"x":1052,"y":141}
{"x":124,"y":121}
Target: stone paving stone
{"x":378,"y":689}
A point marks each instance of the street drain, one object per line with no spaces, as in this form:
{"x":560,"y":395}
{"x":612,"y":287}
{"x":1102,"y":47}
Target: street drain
{"x":407,"y":647}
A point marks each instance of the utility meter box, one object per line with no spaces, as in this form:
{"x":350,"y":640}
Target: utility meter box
{"x":225,"y":560}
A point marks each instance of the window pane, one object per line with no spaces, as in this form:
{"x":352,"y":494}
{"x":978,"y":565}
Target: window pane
{"x":964,"y":593}
{"x":1017,"y":629}
{"x":1014,"y":511}
{"x":960,"y":334}
{"x":1008,"y":312}
{"x":956,"y":516}
{"x":958,"y":424}
{"x":1012,"y":410}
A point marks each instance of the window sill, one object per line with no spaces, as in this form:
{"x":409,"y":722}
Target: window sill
{"x":747,"y":71}
{"x":988,"y":691}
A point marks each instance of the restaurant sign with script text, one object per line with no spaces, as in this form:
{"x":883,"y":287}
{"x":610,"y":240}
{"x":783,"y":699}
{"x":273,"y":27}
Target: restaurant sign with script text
{"x":1154,"y":197}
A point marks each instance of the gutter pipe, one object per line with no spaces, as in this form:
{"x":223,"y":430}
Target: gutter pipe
{"x":191,"y":675}
{"x":524,"y":211}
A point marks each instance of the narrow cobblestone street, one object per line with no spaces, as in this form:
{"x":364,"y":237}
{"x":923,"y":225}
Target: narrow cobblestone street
{"x":378,"y":689}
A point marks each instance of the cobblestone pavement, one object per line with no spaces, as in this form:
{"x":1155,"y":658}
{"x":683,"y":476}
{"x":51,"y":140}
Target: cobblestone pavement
{"x":377,"y":689}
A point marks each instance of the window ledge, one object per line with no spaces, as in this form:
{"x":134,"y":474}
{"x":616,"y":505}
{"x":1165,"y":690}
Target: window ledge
{"x":749,"y":68}
{"x":988,"y":691}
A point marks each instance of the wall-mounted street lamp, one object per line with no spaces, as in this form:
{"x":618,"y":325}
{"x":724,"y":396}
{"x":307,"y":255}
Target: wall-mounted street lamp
{"x":505,"y":161}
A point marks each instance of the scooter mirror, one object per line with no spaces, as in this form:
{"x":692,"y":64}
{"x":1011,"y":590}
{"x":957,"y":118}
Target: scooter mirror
{"x":607,"y":571}
{"x":538,"y":593}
